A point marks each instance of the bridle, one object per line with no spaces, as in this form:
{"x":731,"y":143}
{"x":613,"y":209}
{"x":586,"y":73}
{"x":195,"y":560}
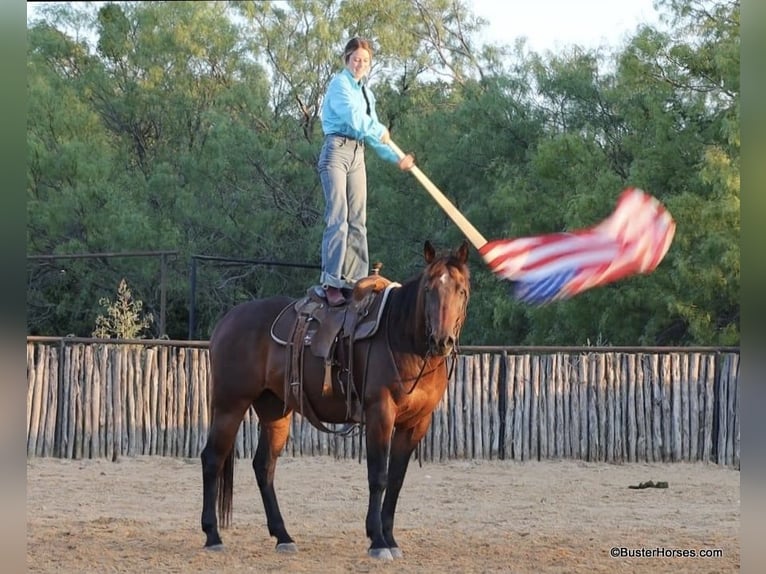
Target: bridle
{"x":429,"y":332}
{"x":458,"y":323}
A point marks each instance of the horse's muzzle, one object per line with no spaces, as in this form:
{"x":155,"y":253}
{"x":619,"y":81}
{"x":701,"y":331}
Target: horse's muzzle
{"x":441,"y":346}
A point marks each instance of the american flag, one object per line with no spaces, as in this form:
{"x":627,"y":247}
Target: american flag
{"x":632,"y":240}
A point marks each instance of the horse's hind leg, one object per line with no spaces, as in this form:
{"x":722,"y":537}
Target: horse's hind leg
{"x":216,"y":485}
{"x":274,"y":430}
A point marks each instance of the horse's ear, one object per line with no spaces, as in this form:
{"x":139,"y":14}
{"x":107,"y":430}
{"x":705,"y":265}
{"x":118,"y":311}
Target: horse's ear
{"x":429,"y":253}
{"x":462,"y":252}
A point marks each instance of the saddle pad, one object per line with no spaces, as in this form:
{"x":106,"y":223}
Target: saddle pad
{"x":367,"y":326}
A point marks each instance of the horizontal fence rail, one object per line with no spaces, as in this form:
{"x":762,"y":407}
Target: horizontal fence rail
{"x":100,"y":399}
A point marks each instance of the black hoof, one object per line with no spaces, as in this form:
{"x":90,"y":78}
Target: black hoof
{"x":215,"y":547}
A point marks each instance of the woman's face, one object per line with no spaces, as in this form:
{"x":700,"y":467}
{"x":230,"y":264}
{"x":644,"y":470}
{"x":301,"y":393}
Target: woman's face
{"x":358,"y":63}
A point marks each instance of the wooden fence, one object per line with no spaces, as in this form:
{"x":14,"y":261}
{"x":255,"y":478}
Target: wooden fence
{"x":89,"y":400}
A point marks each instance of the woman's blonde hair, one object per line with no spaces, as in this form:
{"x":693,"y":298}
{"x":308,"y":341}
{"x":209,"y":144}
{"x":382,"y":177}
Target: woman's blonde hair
{"x":353,"y":45}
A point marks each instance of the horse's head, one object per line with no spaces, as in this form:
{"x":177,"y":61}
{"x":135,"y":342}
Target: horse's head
{"x":446,"y":286}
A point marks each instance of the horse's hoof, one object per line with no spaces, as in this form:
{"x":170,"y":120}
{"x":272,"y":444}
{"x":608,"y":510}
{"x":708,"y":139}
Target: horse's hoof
{"x":380,"y":554}
{"x":396,"y":552}
{"x":215,"y":547}
{"x":287,"y":548}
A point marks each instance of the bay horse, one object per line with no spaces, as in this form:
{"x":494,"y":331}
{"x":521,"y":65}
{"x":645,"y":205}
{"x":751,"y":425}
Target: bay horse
{"x":400,"y":380}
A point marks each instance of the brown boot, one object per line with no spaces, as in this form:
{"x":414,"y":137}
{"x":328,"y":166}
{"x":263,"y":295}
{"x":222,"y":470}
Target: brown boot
{"x":334,"y":296}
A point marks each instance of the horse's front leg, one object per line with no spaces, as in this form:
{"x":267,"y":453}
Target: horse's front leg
{"x":402,"y":445}
{"x":272,"y":438}
{"x":380,"y":422}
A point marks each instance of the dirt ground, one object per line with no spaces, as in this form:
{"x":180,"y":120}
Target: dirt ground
{"x":142,"y":515}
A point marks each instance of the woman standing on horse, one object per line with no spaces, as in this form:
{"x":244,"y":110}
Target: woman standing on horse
{"x":350,"y":123}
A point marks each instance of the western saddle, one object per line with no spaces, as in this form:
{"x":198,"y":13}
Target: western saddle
{"x":330,"y":333}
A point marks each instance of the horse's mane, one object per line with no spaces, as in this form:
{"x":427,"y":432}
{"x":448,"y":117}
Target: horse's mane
{"x":405,"y":298}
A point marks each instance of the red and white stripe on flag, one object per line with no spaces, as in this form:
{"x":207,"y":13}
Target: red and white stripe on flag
{"x":632,"y":240}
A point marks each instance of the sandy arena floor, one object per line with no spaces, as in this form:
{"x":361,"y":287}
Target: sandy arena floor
{"x":142,"y":515}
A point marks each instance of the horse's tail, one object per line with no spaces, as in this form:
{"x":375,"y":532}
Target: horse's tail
{"x":225,"y":489}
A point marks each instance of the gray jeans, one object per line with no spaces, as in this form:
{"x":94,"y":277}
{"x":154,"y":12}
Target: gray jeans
{"x":343,"y":174}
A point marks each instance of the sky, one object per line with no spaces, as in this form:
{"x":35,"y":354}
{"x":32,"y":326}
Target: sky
{"x":550,"y":25}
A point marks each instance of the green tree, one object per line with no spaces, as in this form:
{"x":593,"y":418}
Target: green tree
{"x":194,"y":127}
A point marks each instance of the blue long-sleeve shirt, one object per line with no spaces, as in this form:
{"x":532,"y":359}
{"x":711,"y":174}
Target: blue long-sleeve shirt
{"x":344,"y":111}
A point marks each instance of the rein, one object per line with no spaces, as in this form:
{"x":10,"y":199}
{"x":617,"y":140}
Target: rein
{"x":451,"y":369}
{"x":420,"y":373}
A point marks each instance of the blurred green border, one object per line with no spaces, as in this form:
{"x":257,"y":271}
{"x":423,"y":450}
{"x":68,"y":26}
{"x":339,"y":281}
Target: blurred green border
{"x":753,"y":241}
{"x":12,"y":298}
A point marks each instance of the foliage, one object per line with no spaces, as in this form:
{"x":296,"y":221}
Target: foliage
{"x":124,"y":318}
{"x":194,"y":127}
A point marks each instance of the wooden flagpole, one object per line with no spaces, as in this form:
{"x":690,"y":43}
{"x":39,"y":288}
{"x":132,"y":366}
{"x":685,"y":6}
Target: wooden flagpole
{"x":473,"y":235}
